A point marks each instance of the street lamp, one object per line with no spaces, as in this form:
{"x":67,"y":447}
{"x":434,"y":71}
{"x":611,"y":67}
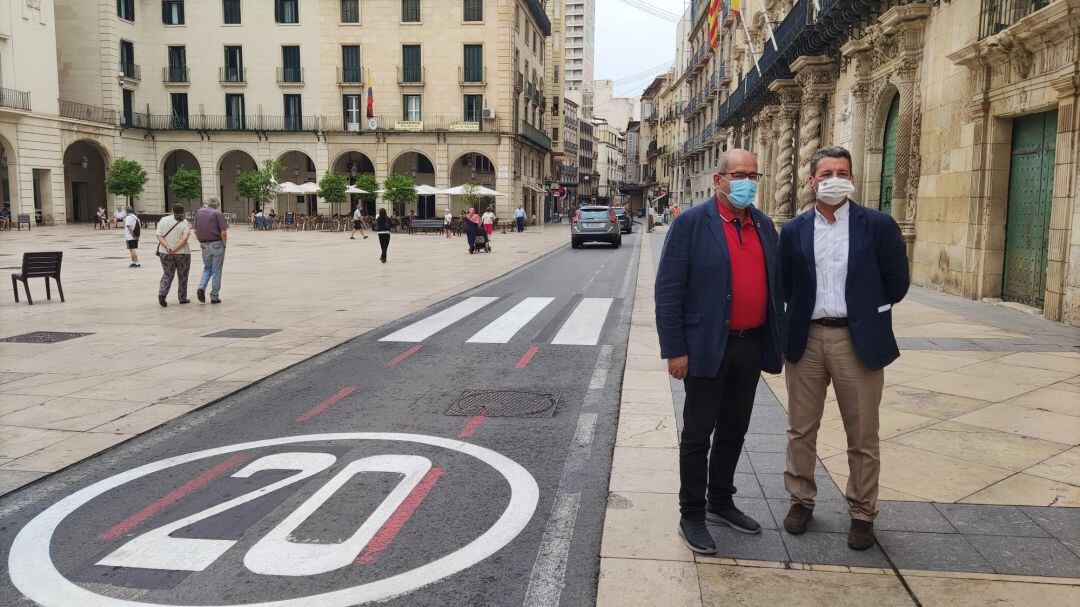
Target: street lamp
{"x":84,"y":162}
{"x":295,"y":170}
{"x":237,"y":167}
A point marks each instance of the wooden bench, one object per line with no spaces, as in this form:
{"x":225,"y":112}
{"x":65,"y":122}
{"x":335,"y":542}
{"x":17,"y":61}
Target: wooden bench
{"x":39,"y":265}
{"x":426,"y":224}
{"x":21,"y":219}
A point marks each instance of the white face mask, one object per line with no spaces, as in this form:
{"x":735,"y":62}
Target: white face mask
{"x":834,"y":190}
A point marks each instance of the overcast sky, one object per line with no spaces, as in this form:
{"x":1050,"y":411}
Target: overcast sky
{"x":630,"y":41}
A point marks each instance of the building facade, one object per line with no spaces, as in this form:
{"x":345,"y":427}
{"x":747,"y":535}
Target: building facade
{"x":617,"y":111}
{"x":457,"y":91}
{"x":961,"y":117}
{"x":580,"y":29}
{"x":588,"y":177}
{"x":610,"y":164}
{"x":568,"y":170}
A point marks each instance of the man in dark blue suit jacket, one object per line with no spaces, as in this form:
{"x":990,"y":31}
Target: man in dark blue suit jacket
{"x":719,"y":315}
{"x":843,"y":267}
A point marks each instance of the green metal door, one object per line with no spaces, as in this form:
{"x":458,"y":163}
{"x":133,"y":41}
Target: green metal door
{"x":1027,"y":223}
{"x":888,"y":156}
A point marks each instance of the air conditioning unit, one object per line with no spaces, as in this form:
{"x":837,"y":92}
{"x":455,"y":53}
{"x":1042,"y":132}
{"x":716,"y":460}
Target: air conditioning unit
{"x":489,"y":113}
{"x":352,"y":127}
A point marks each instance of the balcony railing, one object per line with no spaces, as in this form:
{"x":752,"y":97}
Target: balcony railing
{"x":351,"y":76}
{"x":411,"y":76}
{"x":18,"y":100}
{"x":1000,"y":14}
{"x":174,"y":75}
{"x":290,"y":75}
{"x":534,"y":135}
{"x":131,"y":71}
{"x":200,"y":122}
{"x":232,"y":75}
{"x":476,"y":75}
{"x":434,"y":123}
{"x":90,"y":113}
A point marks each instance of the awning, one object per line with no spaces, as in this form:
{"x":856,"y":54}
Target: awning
{"x":536,"y":189}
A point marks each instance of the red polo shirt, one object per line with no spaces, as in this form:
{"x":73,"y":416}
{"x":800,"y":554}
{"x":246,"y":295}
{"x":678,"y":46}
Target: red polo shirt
{"x":749,"y":290}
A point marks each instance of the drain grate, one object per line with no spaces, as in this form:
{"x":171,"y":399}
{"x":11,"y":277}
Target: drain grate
{"x":505,"y":403}
{"x":42,"y":337}
{"x":246,"y":333}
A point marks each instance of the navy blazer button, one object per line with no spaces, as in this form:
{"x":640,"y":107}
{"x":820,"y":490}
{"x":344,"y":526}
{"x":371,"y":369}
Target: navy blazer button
{"x":727,"y":323}
{"x":729,"y":297}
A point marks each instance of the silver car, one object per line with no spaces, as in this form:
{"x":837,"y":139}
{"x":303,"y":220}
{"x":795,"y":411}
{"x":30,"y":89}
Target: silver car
{"x":595,"y":224}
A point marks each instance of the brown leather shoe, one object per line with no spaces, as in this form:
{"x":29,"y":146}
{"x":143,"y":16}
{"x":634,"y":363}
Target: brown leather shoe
{"x":861,"y":535}
{"x":797,"y":518}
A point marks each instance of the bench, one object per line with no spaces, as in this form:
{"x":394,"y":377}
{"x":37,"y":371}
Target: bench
{"x":21,"y":219}
{"x":426,"y":224}
{"x":39,"y":265}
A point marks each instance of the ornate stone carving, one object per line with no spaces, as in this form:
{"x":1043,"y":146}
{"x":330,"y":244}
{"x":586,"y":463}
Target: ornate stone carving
{"x":810,"y":140}
{"x":785,"y":164}
{"x":1004,"y":43}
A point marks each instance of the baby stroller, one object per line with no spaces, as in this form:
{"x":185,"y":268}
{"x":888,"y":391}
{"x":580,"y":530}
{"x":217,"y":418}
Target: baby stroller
{"x":482,"y":243}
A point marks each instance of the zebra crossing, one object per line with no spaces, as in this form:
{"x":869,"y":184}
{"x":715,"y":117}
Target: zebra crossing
{"x":582,"y":327}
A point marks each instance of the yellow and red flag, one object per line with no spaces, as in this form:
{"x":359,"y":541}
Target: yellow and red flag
{"x":715,"y":8}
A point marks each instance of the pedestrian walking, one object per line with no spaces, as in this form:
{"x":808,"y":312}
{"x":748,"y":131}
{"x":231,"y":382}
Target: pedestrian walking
{"x":357,"y":223}
{"x":382,"y":228}
{"x":719,"y":317}
{"x":132,"y":231}
{"x":448,"y":223}
{"x":519,"y":218}
{"x":173,"y":233}
{"x":212,"y":230}
{"x":488,"y":220}
{"x":843,"y":267}
{"x":472,"y":227}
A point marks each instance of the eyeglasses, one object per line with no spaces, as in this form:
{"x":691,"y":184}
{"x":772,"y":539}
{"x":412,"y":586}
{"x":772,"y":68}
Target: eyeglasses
{"x":740,"y":175}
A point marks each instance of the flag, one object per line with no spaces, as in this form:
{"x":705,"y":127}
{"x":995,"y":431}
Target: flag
{"x":370,"y":99}
{"x":715,"y":8}
{"x":735,"y":7}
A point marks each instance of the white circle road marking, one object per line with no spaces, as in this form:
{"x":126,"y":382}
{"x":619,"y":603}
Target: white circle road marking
{"x":34,"y":574}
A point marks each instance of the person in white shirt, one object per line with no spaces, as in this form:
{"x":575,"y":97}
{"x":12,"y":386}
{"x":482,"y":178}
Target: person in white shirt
{"x":488,"y":221}
{"x":448,"y":222}
{"x":173,"y":233}
{"x":519,"y":219}
{"x":118,"y":217}
{"x":357,"y":223}
{"x":132,"y":228}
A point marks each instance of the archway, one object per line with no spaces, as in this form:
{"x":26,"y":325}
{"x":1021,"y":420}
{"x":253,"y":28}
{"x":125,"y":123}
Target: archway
{"x":875,"y":166}
{"x":174,"y":161}
{"x":474,"y":168}
{"x":352,"y":165}
{"x":229,"y":167}
{"x":85,"y":163}
{"x":888,"y":156}
{"x":299,"y":168}
{"x":420,"y":168}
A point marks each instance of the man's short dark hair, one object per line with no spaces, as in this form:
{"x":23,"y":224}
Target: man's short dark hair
{"x":831,"y":151}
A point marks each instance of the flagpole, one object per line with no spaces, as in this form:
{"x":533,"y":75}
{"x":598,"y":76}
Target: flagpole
{"x":750,"y":44}
{"x":765,"y":11}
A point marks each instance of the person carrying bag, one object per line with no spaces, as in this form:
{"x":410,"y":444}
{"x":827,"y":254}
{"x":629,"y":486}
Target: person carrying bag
{"x":173,"y":233}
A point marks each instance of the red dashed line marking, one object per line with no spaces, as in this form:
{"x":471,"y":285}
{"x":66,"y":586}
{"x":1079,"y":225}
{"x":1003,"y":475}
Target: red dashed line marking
{"x":407,"y":353}
{"x":526,"y":357}
{"x":327,"y":403}
{"x":401,"y":516}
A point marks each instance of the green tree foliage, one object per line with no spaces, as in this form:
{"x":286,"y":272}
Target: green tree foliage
{"x":126,"y":178}
{"x":469,"y":197}
{"x":186,"y":184}
{"x":369,"y":184}
{"x":261,"y":185}
{"x":332,"y":187}
{"x":400,"y":189}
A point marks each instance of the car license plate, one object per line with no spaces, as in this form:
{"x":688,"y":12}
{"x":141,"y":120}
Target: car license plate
{"x":594,"y":225}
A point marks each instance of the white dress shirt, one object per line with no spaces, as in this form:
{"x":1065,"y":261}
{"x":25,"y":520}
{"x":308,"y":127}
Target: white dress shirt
{"x":831,"y":263}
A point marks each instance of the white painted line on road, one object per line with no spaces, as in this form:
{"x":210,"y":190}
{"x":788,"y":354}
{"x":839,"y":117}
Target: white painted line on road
{"x":585,"y":323}
{"x":426,"y":327}
{"x":503,"y":328}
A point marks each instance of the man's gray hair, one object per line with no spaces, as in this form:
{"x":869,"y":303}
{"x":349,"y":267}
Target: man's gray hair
{"x":129,"y":209}
{"x":722,"y":161}
{"x":213,"y":202}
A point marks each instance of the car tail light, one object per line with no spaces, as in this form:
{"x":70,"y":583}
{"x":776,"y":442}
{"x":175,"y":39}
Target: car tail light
{"x":611,"y":216}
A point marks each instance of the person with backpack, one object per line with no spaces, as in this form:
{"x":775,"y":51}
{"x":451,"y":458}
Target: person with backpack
{"x":173,"y":233}
{"x":132,"y":231}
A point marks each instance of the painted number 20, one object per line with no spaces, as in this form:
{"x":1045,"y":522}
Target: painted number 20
{"x":275,"y":553}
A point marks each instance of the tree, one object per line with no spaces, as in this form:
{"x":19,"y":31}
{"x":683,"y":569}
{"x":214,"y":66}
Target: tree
{"x":126,"y":178}
{"x":369,"y":184}
{"x":332,"y":188}
{"x":261,"y":185}
{"x":186,"y":184}
{"x":400,"y":189}
{"x":469,"y":197}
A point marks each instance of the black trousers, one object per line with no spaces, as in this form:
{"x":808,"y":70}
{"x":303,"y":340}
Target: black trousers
{"x":384,"y":242}
{"x":718,"y":408}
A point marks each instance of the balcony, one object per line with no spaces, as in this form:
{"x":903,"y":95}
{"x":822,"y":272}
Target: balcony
{"x":428,"y":124}
{"x":534,"y":135}
{"x":1000,"y":14}
{"x":352,"y":77}
{"x":290,"y":76}
{"x":519,"y":83}
{"x":130,"y":71}
{"x":90,"y":113}
{"x":412,"y":76}
{"x":232,"y":76}
{"x":177,"y":75}
{"x":200,"y":122}
{"x":472,"y":75}
{"x":16,"y":100}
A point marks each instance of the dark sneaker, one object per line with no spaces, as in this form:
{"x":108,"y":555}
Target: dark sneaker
{"x":184,"y":301}
{"x":696,"y":536}
{"x":161,"y":300}
{"x":734,"y":518}
{"x":797,"y":518}
{"x":201,"y":294}
{"x":861,"y":535}
{"x":214,"y":301}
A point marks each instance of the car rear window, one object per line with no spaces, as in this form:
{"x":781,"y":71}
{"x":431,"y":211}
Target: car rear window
{"x":593,"y":215}
{"x":619,"y":211}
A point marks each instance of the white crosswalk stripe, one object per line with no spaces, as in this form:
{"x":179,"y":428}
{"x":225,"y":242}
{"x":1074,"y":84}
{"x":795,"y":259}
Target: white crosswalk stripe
{"x":585,"y":323}
{"x":426,"y":327}
{"x":503,"y":328}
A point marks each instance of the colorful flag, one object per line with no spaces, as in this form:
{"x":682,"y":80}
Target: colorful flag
{"x":735,"y":7}
{"x":715,"y":8}
{"x":370,"y":99}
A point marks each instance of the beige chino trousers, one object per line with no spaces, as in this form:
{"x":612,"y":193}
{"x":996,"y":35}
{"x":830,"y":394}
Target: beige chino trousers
{"x":830,"y":357}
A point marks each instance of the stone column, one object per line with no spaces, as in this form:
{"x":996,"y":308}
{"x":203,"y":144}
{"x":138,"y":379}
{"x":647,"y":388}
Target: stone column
{"x":858,"y":53}
{"x":817,"y":76}
{"x":784,"y":187}
{"x":1062,"y":299}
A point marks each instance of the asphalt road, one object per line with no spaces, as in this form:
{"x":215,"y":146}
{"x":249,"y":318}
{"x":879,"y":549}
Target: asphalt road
{"x":344,"y":479}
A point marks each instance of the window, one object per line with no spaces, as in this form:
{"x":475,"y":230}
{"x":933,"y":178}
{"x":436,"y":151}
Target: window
{"x":350,"y":105}
{"x":177,"y":64}
{"x":350,"y":11}
{"x":474,"y":63}
{"x":287,"y":11}
{"x":410,"y":11}
{"x":172,"y":12}
{"x":125,"y":9}
{"x":473,"y":10}
{"x":554,"y":134}
{"x":474,"y":108}
{"x":129,"y":107}
{"x":234,"y":112}
{"x":179,"y":110}
{"x":234,"y":64}
{"x":293,"y":113}
{"x":410,"y":106}
{"x":555,"y":73}
{"x":127,"y":59}
{"x":350,"y":64}
{"x":231,"y":10}
{"x":410,"y":63}
{"x":290,"y":64}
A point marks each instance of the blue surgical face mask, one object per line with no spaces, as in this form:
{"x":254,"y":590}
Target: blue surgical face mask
{"x":743,"y":192}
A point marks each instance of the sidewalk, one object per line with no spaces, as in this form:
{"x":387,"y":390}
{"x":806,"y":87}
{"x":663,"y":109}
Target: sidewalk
{"x":286,"y":297}
{"x":980,"y":423}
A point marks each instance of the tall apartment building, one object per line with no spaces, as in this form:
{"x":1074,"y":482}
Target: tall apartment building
{"x":219,"y":87}
{"x":610,"y":162}
{"x":580,"y":28}
{"x":555,"y":83}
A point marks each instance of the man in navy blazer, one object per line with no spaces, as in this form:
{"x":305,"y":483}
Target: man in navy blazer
{"x":843,"y":267}
{"x":719,"y":315}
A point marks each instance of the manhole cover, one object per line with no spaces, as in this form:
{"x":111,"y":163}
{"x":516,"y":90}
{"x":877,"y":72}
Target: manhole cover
{"x":42,"y":337}
{"x":247,"y":333}
{"x":505,"y":403}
